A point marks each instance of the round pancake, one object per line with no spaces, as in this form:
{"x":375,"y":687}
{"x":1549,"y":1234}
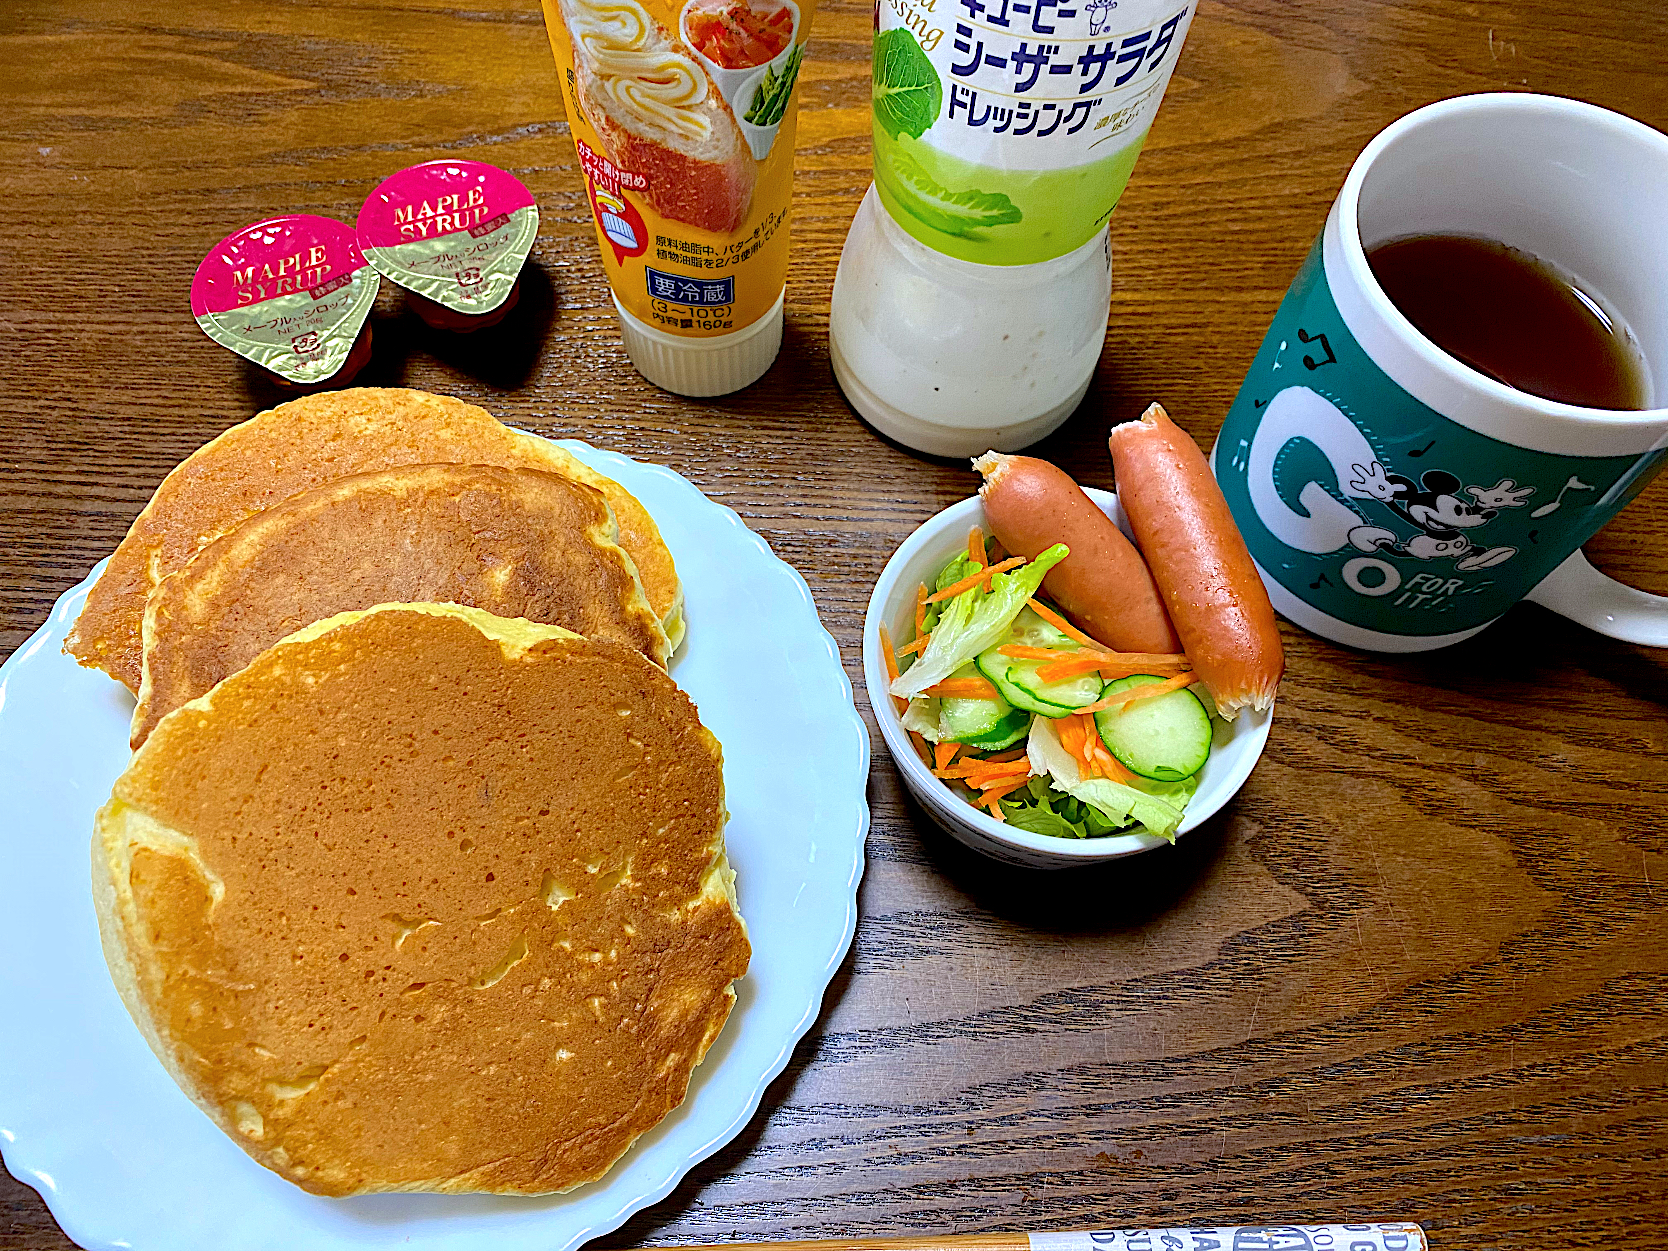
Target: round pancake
{"x":425,"y":899}
{"x":304,"y":443}
{"x":515,"y":542}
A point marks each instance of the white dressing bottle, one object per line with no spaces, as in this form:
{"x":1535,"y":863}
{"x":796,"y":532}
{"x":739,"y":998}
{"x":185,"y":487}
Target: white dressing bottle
{"x":970,"y":304}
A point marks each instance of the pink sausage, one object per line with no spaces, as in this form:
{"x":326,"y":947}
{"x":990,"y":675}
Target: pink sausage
{"x":1200,"y":561}
{"x":1104,"y":585}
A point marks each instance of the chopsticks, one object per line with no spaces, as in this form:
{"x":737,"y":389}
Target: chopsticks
{"x":1366,"y":1236}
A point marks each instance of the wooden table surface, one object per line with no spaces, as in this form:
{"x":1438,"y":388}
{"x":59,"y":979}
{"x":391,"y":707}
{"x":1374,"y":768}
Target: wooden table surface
{"x":1418,"y":969}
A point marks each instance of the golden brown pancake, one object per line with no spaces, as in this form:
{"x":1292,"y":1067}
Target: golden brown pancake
{"x":425,"y":899}
{"x":515,"y":542}
{"x":302,"y":444}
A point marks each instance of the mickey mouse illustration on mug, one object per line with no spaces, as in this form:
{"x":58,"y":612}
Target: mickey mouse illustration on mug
{"x":1433,"y":504}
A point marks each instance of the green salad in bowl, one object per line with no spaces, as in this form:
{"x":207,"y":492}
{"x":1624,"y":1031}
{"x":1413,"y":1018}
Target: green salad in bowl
{"x":1022,"y":715}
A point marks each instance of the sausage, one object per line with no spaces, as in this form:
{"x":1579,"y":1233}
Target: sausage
{"x":1104,"y":585}
{"x":1199,"y":560}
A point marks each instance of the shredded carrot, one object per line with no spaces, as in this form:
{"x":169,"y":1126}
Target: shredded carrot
{"x":1013,"y":753}
{"x":1142,"y":692}
{"x":984,"y":781}
{"x":1086,"y":745}
{"x":1107,"y":764}
{"x":1019,"y":651}
{"x":1005,"y":783}
{"x":1060,"y":623}
{"x":1070,"y":730}
{"x":921,"y":609}
{"x":971,"y":770}
{"x":915,"y":645}
{"x":974,"y":579}
{"x":944,"y":753}
{"x":992,"y":799}
{"x":976,"y":547}
{"x":891,"y":659}
{"x":1090,"y":750}
{"x":1063,"y":670}
{"x":992,"y":767}
{"x":898,"y":701}
{"x":1133,"y":671}
{"x":962,"y":688}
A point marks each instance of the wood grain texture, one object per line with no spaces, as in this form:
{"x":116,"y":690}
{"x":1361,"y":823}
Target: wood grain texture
{"x":1418,"y":969}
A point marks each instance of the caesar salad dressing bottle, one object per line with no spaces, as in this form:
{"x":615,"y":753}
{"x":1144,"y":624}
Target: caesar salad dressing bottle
{"x":970,"y":303}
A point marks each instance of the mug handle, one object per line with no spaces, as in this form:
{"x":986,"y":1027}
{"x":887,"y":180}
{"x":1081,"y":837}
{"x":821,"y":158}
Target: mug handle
{"x":1587,"y":597}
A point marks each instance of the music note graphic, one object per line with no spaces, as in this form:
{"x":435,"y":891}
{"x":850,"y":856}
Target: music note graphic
{"x":1424,"y":449}
{"x":1237,"y":460}
{"x":1574,"y":484}
{"x":1308,"y":361}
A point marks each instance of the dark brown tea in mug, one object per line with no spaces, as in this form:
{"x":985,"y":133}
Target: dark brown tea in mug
{"x":1514,"y":317}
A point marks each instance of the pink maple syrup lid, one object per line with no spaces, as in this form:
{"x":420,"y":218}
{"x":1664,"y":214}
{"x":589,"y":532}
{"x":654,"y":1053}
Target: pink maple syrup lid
{"x":290,"y":293}
{"x":455,"y":232}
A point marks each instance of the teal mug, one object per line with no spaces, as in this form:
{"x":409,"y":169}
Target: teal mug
{"x":1394,"y":499}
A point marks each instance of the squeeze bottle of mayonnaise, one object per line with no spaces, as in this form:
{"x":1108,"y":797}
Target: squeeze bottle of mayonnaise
{"x":970,"y":304}
{"x":683,"y":115}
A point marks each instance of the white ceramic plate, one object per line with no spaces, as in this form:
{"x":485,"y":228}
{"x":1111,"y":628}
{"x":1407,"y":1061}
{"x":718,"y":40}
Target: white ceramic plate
{"x":917,"y":560}
{"x":124,"y":1160}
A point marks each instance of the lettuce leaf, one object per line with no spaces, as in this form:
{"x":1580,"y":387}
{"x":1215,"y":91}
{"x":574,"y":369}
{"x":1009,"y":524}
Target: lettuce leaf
{"x":906,"y":92}
{"x":974,"y":621}
{"x":1048,"y":755}
{"x":953,"y":212}
{"x":1160,"y":812}
{"x":1158,"y":806}
{"x":959,"y":568}
{"x":1042,"y":810}
{"x":922,"y":716}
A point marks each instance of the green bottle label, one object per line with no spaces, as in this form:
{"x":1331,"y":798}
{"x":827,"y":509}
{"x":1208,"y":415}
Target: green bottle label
{"x":1006,"y":130}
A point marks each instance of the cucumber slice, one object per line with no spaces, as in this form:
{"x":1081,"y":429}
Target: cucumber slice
{"x":999,"y":668}
{"x":1013,"y":727}
{"x":994,"y":665}
{"x":1030,"y":629}
{"x":961,"y":720}
{"x":1071,"y":694}
{"x":1166,"y":738}
{"x":1020,"y":686}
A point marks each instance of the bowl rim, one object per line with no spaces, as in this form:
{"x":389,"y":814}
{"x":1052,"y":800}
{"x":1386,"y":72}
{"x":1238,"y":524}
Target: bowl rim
{"x":969,"y":512}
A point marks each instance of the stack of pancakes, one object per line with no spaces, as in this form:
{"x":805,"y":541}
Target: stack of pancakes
{"x":416,"y":880}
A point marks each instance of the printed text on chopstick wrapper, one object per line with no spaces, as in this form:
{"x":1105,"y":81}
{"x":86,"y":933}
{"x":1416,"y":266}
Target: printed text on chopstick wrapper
{"x":1383,"y":1236}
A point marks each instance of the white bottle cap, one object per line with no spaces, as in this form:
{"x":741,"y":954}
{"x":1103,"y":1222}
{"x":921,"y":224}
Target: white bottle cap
{"x":700,"y":367}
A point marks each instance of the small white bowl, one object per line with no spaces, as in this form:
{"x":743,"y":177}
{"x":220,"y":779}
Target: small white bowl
{"x":918,"y":560}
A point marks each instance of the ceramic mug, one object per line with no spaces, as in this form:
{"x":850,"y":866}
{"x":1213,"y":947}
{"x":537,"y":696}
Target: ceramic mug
{"x":1396,"y":500}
